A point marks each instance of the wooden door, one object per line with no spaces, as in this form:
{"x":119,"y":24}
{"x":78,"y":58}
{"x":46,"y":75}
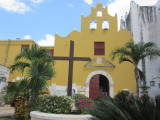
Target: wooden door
{"x":94,"y":87}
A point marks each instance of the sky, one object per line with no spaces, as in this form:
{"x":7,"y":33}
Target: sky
{"x":39,"y":20}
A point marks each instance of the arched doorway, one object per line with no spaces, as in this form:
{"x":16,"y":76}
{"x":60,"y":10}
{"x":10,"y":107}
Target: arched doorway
{"x":98,"y":86}
{"x":101,"y":72}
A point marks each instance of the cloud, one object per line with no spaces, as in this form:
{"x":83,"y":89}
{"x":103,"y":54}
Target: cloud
{"x":70,"y":5}
{"x":89,"y":2}
{"x":36,"y":1}
{"x":48,"y":41}
{"x":27,"y":37}
{"x":14,"y":6}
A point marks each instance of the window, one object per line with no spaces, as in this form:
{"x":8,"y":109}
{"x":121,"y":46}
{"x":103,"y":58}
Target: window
{"x":152,"y":83}
{"x":2,"y":79}
{"x":105,"y":24}
{"x":99,"y":13}
{"x":159,"y":85}
{"x":51,"y":52}
{"x":99,"y":48}
{"x":24,"y":46}
{"x":93,"y":25}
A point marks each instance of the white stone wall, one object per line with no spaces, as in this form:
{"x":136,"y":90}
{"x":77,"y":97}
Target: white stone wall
{"x":62,"y":90}
{"x":4,"y":73}
{"x":144,"y":24}
{"x":36,"y":115}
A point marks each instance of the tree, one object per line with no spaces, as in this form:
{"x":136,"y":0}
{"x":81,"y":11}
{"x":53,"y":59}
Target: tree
{"x":134,"y":52}
{"x":38,"y":65}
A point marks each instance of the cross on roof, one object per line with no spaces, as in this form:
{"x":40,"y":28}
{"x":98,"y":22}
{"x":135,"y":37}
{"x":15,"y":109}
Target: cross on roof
{"x":71,"y":59}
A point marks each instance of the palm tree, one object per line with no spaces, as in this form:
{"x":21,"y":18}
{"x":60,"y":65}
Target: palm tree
{"x":134,"y":52}
{"x":38,"y":65}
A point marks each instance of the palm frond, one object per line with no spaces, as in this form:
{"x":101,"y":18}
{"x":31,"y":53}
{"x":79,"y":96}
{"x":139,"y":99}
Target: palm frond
{"x":123,"y":54}
{"x":136,"y":51}
{"x":106,"y":109}
{"x":126,"y":108}
{"x":39,"y":73}
{"x":124,"y":59}
{"x":23,"y":85}
{"x":19,"y":66}
{"x":150,"y":50}
{"x":24,"y":55}
{"x":13,"y":90}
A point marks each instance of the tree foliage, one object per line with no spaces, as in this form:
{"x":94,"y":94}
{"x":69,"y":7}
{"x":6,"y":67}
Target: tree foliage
{"x":126,"y":108}
{"x":135,"y":52}
{"x":38,"y":67}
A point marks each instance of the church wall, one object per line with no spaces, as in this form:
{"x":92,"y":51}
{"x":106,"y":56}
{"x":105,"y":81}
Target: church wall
{"x":122,"y":74}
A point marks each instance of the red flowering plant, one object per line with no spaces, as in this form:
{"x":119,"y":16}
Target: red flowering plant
{"x":83,"y":103}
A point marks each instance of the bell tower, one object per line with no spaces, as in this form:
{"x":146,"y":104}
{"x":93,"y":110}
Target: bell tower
{"x":98,"y":20}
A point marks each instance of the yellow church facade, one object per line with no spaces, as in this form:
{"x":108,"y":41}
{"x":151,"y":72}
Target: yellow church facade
{"x":82,"y":59}
{"x":99,"y":76}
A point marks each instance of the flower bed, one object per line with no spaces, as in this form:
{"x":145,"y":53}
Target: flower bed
{"x":83,"y":104}
{"x":54,"y":104}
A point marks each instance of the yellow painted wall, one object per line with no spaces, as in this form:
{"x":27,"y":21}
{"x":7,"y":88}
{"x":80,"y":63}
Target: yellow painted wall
{"x":122,"y":74}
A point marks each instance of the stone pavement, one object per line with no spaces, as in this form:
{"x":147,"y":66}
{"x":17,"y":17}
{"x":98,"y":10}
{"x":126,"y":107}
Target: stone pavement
{"x":6,"y":111}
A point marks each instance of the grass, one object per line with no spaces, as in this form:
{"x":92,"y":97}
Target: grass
{"x":6,"y":118}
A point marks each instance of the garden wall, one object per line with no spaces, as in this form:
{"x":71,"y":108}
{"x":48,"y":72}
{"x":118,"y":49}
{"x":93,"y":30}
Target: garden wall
{"x":35,"y":115}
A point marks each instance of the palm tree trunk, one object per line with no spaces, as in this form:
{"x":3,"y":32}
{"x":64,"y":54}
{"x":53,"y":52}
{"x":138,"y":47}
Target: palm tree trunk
{"x":136,"y":71}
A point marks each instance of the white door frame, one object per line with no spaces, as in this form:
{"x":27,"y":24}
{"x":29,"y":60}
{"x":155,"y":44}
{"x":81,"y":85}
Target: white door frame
{"x":111,"y":83}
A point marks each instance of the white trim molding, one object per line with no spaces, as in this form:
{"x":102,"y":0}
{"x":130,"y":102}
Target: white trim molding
{"x":111,"y":83}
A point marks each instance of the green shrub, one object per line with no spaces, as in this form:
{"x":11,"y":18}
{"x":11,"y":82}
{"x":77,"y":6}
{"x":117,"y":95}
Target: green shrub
{"x":122,"y":95}
{"x":54,"y":104}
{"x":2,"y":94}
{"x":82,"y":103}
{"x":126,"y":108}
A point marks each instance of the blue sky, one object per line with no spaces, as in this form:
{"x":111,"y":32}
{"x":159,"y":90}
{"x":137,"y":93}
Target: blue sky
{"x":40,"y":19}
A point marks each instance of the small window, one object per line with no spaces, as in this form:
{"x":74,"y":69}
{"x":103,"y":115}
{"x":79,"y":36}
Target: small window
{"x":51,"y":52}
{"x":105,"y":25}
{"x":2,"y":79}
{"x":99,"y":48}
{"x":99,"y":13}
{"x":152,"y":83}
{"x":93,"y":25}
{"x":24,"y":46}
{"x":159,"y":85}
